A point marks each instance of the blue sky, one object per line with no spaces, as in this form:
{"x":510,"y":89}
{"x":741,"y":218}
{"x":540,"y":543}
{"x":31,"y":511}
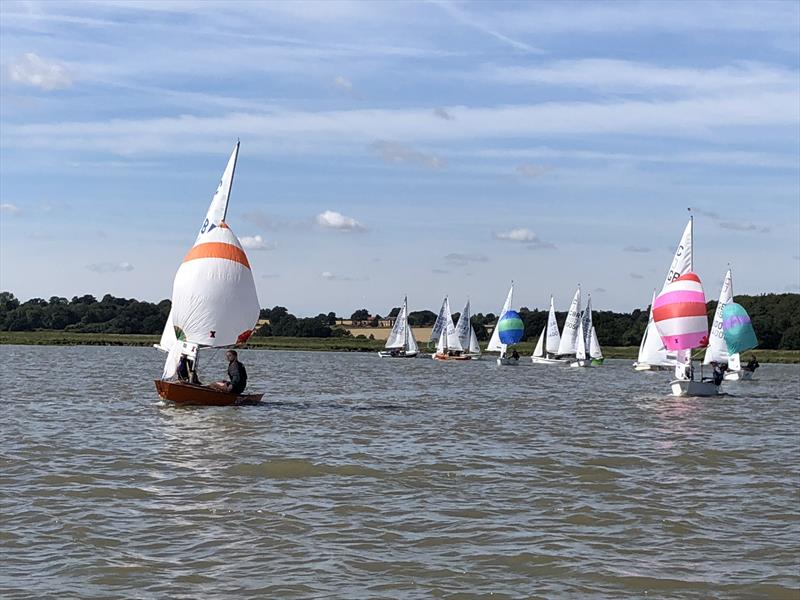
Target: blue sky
{"x":401,"y":148}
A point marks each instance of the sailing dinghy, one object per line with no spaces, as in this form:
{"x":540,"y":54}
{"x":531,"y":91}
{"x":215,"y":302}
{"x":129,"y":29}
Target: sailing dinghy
{"x":587,"y":351}
{"x":401,"y":342}
{"x":546,"y":349}
{"x":214,"y":303}
{"x":568,"y":346}
{"x":466,"y":334}
{"x":448,"y":346}
{"x":497,"y":343}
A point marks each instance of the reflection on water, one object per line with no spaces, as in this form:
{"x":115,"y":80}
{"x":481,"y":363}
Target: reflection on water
{"x":368,"y":478}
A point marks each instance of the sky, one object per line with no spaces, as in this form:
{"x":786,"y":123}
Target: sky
{"x":393,"y":148}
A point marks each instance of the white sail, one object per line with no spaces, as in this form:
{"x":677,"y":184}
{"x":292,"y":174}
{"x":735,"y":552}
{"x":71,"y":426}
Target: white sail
{"x":586,"y":322}
{"x":453,"y":342}
{"x":594,"y":346}
{"x":734,"y":362}
{"x":474,"y":346}
{"x":218,"y":209}
{"x":569,"y":336}
{"x":397,"y":337}
{"x":441,"y":321}
{"x":553,"y":335}
{"x":441,"y":346}
{"x":168,"y":338}
{"x":463,"y":327}
{"x":495,"y":345}
{"x":580,"y":344}
{"x":539,"y":350}
{"x":652,"y":350}
{"x":682,"y":261}
{"x":717,"y":350}
{"x":214,"y":299}
{"x":683,"y":364}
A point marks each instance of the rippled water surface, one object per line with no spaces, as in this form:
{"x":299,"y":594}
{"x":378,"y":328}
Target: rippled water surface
{"x":369,"y":478}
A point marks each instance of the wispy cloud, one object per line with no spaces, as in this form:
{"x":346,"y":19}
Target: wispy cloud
{"x":638,"y":249}
{"x":440,"y":271}
{"x":525,"y":236}
{"x":333,"y":220}
{"x":10,"y":209}
{"x":635,"y":276}
{"x":621,"y":76}
{"x":330,"y":276}
{"x":269,"y":222}
{"x":706,"y":213}
{"x":32,"y":70}
{"x":532,"y":170}
{"x":110,"y":267}
{"x":256,"y":242}
{"x":599,"y":290}
{"x":396,"y":153}
{"x":738,"y":226}
{"x":458,"y":258}
{"x":443,"y":114}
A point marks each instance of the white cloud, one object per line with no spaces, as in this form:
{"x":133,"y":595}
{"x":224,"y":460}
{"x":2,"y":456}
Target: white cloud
{"x":256,"y":242}
{"x":638,"y":249}
{"x":517,"y":235}
{"x":343,"y":84}
{"x":329,"y":276}
{"x":333,"y":220}
{"x":110,"y":267}
{"x":737,"y":226}
{"x":394,"y":153}
{"x":443,"y":114}
{"x":32,"y":70}
{"x":11,"y":209}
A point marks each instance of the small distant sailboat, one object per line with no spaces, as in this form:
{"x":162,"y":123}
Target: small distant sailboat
{"x":401,"y":342}
{"x":546,"y":349}
{"x":653,"y":355}
{"x":587,"y":352}
{"x":717,"y":350}
{"x":466,"y":334}
{"x":448,"y":346}
{"x":680,"y":315}
{"x":495,"y":343}
{"x":214,"y":303}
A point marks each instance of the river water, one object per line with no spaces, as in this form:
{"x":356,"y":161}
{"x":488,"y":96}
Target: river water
{"x":368,"y":478}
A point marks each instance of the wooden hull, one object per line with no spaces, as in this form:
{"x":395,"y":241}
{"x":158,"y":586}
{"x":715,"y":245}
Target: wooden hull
{"x":186,"y":394}
{"x":683,"y":387}
{"x":438,"y":356}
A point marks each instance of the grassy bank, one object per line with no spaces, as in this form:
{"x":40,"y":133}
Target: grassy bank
{"x":61,"y":338}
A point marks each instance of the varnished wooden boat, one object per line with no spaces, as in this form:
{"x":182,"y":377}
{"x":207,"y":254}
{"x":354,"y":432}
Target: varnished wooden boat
{"x":186,"y":394}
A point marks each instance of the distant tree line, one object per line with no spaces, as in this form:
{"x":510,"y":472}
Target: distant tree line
{"x":776,"y":318}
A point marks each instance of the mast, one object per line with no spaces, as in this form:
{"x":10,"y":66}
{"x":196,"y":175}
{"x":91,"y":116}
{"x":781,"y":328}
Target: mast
{"x":405,"y":316}
{"x":691,"y":258}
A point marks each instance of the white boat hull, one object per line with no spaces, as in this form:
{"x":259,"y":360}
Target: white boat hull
{"x":507,"y":362}
{"x":541,"y":360}
{"x":582,"y":363}
{"x":646,"y":367}
{"x":738,"y":375}
{"x":685,"y":387}
{"x":387,"y":354}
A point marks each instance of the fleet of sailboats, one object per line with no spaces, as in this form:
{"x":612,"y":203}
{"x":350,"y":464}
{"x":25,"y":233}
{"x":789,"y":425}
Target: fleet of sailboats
{"x":215,"y":305}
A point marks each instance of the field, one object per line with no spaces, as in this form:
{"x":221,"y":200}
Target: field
{"x":60,"y":338}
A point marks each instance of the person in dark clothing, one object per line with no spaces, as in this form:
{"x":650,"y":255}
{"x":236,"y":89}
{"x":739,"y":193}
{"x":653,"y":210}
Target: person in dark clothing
{"x":515,"y":354}
{"x":752,"y":364}
{"x":718,"y":373}
{"x":185,"y":370}
{"x":236,"y":374}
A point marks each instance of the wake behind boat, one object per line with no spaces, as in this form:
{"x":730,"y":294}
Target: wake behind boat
{"x":214,"y":305}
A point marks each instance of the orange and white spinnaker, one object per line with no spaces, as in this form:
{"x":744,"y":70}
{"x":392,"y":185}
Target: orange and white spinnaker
{"x":214,"y":299}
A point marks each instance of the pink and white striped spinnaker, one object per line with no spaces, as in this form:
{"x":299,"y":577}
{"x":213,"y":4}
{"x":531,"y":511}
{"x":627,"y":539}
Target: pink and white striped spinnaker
{"x":680,"y":315}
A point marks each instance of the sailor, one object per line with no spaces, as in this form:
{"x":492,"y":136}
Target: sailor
{"x":515,"y":354}
{"x":185,"y":370}
{"x":752,"y":364}
{"x":236,"y":374}
{"x":718,"y":373}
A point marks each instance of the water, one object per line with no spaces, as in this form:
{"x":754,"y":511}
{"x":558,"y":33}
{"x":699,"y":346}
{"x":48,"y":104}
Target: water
{"x":370,"y":478}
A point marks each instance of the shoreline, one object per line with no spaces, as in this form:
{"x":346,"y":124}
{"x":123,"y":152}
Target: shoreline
{"x":341,"y":344}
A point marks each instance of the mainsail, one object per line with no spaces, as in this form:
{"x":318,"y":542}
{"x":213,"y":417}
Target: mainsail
{"x":717,"y":350}
{"x":397,"y":337}
{"x":464,"y":327}
{"x":569,"y":336}
{"x":580,"y":344}
{"x":441,"y":321}
{"x":586,"y":322}
{"x":495,"y":345}
{"x":214,"y":299}
{"x":652,"y":350}
{"x":538,"y":351}
{"x":553,"y":335}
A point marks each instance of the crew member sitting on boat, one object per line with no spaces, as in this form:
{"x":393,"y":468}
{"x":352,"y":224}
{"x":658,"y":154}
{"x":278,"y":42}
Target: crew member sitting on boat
{"x":752,"y":364}
{"x":236,"y":373}
{"x":515,"y":354}
{"x":185,"y":370}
